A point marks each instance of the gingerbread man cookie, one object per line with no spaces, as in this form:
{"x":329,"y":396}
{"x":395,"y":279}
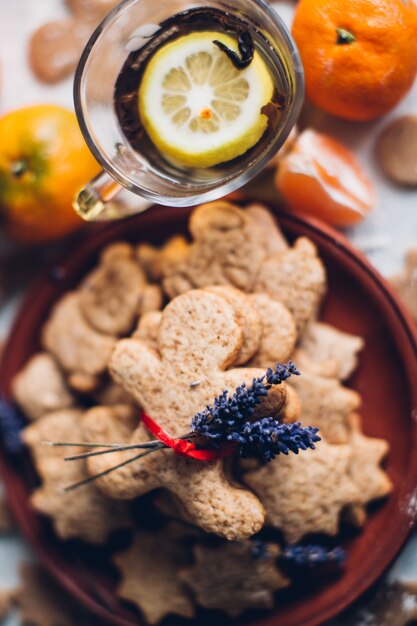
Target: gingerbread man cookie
{"x":82,"y":352}
{"x":55,"y":47}
{"x":244,"y":248}
{"x":40,"y":387}
{"x":115,"y":293}
{"x":227,"y":250}
{"x":198,"y":340}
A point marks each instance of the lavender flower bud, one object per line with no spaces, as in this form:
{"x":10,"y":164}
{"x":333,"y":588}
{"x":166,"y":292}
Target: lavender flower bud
{"x":11,"y":423}
{"x":312,"y":556}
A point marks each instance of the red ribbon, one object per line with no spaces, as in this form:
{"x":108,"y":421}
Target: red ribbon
{"x":184,"y":447}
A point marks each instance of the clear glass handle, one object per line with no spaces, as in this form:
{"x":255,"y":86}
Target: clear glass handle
{"x":104,"y":199}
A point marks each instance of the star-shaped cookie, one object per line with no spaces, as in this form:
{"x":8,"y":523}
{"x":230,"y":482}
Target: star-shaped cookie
{"x":326,"y":404}
{"x":232,"y":578}
{"x":149,"y":573}
{"x":306,"y":493}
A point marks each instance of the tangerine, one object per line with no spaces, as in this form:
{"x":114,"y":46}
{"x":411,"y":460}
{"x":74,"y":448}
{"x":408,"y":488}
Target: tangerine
{"x":44,"y":161}
{"x":359,"y":57}
{"x":320,"y":177}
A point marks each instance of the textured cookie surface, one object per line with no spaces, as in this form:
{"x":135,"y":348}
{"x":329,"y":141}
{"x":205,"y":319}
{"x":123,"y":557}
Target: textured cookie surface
{"x":327,"y":351}
{"x":79,"y":349}
{"x":247,"y":318}
{"x":227,"y":250}
{"x":278,"y":331}
{"x":85,"y":513}
{"x":40,"y":387}
{"x":296,"y":278}
{"x":306,"y":493}
{"x":149,"y":574}
{"x":110,"y":296}
{"x":198,"y":339}
{"x":396,"y":150}
{"x":326,"y":404}
{"x":365,"y":470}
{"x":231,"y":578}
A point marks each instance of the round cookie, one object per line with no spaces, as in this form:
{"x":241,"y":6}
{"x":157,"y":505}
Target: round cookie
{"x":396,"y":150}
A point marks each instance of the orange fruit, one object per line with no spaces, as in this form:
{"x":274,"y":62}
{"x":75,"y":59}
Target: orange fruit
{"x":44,"y":161}
{"x":320,"y":177}
{"x":359,"y":57}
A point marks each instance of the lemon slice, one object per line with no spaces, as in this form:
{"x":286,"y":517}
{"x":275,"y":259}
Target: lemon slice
{"x":196,"y":107}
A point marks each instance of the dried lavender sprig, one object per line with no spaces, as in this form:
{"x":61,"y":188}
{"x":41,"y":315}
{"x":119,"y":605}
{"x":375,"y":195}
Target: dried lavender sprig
{"x":312,"y":556}
{"x":11,"y":424}
{"x":149,"y":445}
{"x":260,"y":549}
{"x":228,"y":412}
{"x":266,"y":438}
{"x":109,"y":470}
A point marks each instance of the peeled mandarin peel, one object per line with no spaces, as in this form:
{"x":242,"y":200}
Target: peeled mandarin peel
{"x":320,"y":177}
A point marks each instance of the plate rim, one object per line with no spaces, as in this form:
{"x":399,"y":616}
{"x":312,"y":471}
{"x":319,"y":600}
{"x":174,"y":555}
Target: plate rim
{"x":89,"y":246}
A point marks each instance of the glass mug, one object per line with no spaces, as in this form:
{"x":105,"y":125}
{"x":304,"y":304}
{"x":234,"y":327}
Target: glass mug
{"x":127,"y":173}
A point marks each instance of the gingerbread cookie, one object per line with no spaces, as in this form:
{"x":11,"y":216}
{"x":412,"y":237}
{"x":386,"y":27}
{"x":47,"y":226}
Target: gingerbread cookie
{"x":111,"y":394}
{"x":149,"y":571}
{"x":296,"y":278}
{"x":40,"y":388}
{"x":86,"y":514}
{"x":306,"y":493}
{"x":148,"y":329}
{"x":232,"y":578}
{"x":396,"y":150}
{"x":244,"y":248}
{"x":153,"y":260}
{"x":272,"y":239}
{"x":86,"y":8}
{"x":114,"y":294}
{"x":198,"y":339}
{"x":227,"y":249}
{"x":405,"y":283}
{"x":82,"y":352}
{"x":171,"y":507}
{"x":246,"y":317}
{"x":278,"y":334}
{"x":55,"y":48}
{"x":326,"y":404}
{"x":327,"y":351}
{"x":365,"y":470}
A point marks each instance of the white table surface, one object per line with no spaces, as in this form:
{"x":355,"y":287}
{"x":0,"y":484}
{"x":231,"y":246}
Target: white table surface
{"x":384,"y":236}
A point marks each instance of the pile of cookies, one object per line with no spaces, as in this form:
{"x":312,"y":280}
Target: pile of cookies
{"x":166,"y":330}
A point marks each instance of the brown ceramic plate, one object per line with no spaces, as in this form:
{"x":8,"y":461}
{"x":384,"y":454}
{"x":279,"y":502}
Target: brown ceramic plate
{"x":360,"y":302}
